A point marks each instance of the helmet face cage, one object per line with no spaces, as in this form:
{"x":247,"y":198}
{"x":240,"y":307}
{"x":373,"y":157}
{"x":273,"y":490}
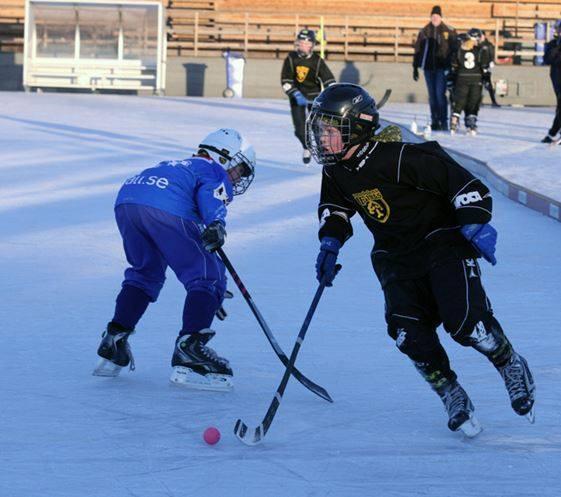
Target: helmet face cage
{"x":328,"y":137}
{"x":241,"y":172}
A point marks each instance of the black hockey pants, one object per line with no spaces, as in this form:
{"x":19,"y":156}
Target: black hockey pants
{"x":451,"y":294}
{"x":467,"y":96}
{"x":299,"y":120}
{"x":556,"y":126}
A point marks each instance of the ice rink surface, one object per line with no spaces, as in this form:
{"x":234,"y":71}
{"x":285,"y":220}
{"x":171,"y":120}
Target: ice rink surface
{"x":64,"y":433}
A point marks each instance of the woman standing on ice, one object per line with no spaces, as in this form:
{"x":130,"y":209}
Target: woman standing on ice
{"x":174,"y":214}
{"x":430,"y":221}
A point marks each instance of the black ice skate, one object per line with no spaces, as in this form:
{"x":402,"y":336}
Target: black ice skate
{"x":306,"y":156}
{"x":459,"y":408}
{"x":548,"y":139}
{"x":471,"y":125}
{"x":520,"y":386}
{"x":115,"y":351}
{"x":197,"y":366}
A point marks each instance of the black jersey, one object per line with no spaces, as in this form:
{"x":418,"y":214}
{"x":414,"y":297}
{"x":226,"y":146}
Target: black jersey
{"x":471,"y":60}
{"x":412,"y":197}
{"x":306,"y":74}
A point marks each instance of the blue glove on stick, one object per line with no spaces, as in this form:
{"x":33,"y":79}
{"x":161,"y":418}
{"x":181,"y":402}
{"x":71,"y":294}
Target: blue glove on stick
{"x":301,"y":100}
{"x":327,"y":258}
{"x":484,"y":239}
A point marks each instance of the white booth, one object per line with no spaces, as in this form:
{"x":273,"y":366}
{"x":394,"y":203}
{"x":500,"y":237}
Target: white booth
{"x":95,"y":44}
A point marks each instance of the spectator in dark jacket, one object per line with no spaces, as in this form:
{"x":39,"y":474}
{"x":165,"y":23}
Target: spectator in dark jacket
{"x":552,"y":57}
{"x":433,"y":49}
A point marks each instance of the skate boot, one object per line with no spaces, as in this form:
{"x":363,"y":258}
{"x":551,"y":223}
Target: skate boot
{"x":306,"y":156}
{"x":548,"y":139}
{"x":519,"y":385}
{"x":197,"y":366}
{"x":115,"y":351}
{"x":454,"y":123}
{"x":459,"y":408}
{"x":471,"y":125}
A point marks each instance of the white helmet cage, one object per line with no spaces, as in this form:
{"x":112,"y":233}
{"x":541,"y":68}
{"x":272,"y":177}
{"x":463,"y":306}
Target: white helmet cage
{"x":237,"y":157}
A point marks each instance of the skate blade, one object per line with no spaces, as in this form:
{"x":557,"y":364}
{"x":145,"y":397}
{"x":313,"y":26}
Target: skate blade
{"x":531,"y":416}
{"x":187,"y":378}
{"x":471,"y":428}
{"x":106,"y":369}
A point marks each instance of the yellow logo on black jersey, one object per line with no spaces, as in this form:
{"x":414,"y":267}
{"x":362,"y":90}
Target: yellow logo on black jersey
{"x":373,"y":204}
{"x":301,"y":73}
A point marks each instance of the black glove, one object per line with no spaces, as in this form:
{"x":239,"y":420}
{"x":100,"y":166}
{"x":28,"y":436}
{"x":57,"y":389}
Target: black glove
{"x":213,"y":236}
{"x":415,"y":74}
{"x":221,"y":312}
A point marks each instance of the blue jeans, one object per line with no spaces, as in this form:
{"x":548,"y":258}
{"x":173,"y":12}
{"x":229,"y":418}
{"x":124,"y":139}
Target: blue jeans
{"x":436,"y":86}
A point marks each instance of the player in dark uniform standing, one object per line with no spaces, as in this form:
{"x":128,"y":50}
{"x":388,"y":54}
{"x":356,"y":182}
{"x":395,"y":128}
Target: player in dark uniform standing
{"x":552,"y":58}
{"x":487,"y":46}
{"x":430,"y":221}
{"x":303,"y":75}
{"x":468,"y":66}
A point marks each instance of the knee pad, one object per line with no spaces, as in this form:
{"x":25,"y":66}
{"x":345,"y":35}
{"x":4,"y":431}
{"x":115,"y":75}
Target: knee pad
{"x":414,"y":339}
{"x":486,"y":336}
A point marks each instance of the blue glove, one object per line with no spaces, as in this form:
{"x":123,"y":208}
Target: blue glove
{"x":327,"y":257}
{"x":484,"y":239}
{"x":301,"y":100}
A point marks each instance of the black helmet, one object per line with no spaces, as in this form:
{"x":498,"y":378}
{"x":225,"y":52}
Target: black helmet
{"x":307,"y":34}
{"x":344,"y":112}
{"x":475,"y":34}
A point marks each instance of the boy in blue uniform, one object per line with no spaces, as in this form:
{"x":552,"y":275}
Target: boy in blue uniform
{"x":174,"y":214}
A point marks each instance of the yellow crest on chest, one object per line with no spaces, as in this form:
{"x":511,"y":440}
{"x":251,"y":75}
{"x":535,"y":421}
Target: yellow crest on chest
{"x":373,"y":203}
{"x":301,"y":73}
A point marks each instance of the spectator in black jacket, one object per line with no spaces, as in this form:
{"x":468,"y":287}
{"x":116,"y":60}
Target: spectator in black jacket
{"x":304,"y":75}
{"x":433,"y":49}
{"x":552,"y":57}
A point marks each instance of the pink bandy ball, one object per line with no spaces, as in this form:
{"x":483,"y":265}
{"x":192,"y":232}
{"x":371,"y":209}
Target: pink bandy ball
{"x":211,"y":435}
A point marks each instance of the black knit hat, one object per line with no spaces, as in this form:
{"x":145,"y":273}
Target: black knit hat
{"x":436,"y":10}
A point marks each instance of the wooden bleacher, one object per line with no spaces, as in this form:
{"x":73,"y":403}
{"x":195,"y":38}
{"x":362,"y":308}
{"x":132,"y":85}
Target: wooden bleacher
{"x":382,"y":30}
{"x":12,"y":13}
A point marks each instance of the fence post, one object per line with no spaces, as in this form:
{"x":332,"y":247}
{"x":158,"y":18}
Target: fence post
{"x":396,"y":42}
{"x":346,"y":37}
{"x":497,"y":40}
{"x":246,"y":33}
{"x":196,"y":35}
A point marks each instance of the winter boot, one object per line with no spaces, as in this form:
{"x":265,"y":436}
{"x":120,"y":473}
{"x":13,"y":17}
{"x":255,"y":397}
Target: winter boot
{"x":459,"y":408}
{"x":197,"y":366}
{"x":519,"y":385}
{"x":114,"y":350}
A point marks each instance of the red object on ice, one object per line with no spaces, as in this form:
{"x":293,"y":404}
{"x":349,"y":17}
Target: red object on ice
{"x":211,"y":435}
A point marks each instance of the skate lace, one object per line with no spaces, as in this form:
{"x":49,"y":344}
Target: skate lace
{"x":124,"y":337}
{"x":513,"y":376}
{"x":455,"y":401}
{"x":211,"y":354}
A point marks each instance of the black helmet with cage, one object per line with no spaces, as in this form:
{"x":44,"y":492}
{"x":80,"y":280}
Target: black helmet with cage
{"x":346,"y":109}
{"x":475,"y":34}
{"x":307,"y":34}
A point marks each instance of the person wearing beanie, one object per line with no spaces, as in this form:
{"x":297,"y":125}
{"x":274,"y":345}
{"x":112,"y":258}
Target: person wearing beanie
{"x":433,"y":52}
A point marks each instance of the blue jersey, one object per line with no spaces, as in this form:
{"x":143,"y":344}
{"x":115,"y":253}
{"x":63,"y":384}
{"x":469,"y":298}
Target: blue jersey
{"x":196,"y":189}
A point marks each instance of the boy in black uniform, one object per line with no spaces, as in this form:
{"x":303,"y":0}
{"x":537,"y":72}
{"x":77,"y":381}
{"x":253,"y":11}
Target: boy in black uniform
{"x":429,"y":217}
{"x":468,"y":65}
{"x":552,"y":57}
{"x":303,"y":74}
{"x":487,"y":46}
